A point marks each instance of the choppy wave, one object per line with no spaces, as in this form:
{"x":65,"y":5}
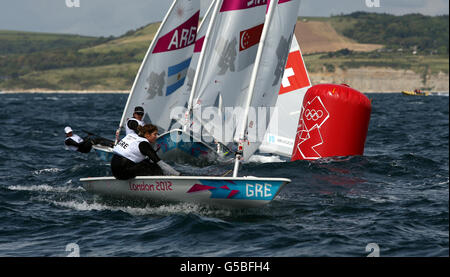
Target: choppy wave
{"x":46,"y":188}
{"x":46,"y":170}
{"x":148,"y":210}
{"x":266,"y":159}
{"x":395,"y":195}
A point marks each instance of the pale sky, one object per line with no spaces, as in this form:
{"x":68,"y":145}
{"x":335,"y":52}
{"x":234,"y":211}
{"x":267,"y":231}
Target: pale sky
{"x":116,"y":17}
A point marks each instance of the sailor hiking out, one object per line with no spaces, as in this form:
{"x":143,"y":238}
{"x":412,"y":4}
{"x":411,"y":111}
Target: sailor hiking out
{"x":135,"y":156}
{"x":76,"y":143}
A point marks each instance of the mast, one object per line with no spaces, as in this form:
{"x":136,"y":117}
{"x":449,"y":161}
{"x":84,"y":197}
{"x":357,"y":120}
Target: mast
{"x":242,"y":136}
{"x":200,"y":62}
{"x":149,"y":51}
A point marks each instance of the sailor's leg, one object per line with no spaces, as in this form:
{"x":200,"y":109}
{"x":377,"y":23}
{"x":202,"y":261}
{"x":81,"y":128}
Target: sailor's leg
{"x":102,"y":141}
{"x":120,"y":168}
{"x":85,"y":147}
{"x":146,"y":168}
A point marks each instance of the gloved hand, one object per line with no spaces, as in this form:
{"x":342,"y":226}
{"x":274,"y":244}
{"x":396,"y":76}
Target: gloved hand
{"x":167,"y":169}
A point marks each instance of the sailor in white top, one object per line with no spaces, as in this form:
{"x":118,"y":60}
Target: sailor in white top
{"x":135,"y":121}
{"x":75,"y":142}
{"x":134,"y":156}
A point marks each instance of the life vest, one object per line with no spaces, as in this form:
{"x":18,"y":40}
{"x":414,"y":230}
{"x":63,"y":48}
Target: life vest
{"x":128,"y":147}
{"x":130,"y":131}
{"x":75,"y":138}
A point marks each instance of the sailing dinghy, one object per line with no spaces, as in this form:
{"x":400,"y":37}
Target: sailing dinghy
{"x":242,"y":192}
{"x":235,"y":192}
{"x":162,"y":84}
{"x":219,"y":83}
{"x":176,"y":144}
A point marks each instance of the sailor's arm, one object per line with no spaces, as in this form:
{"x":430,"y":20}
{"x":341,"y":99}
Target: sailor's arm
{"x":147,"y":150}
{"x":133,"y":125}
{"x":71,"y":142}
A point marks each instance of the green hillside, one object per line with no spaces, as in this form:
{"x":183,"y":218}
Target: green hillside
{"x":15,"y":42}
{"x":137,"y":40}
{"x":65,"y":62}
{"x":426,"y":34}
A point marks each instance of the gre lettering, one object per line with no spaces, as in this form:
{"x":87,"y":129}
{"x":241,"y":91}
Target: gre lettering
{"x":123,"y":144}
{"x":258,"y":190}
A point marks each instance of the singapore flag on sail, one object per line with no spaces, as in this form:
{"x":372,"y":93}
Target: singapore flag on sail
{"x":248,"y":45}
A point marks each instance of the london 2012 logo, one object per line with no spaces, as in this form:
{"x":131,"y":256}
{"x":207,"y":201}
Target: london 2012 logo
{"x":313,"y":116}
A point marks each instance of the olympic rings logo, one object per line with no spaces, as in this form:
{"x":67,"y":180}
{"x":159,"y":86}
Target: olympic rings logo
{"x":313,"y":114}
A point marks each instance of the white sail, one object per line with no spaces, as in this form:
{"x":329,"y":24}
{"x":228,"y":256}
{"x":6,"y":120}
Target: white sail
{"x":227,"y":57}
{"x":267,"y":73}
{"x":201,"y":33}
{"x":159,"y":83}
{"x":179,"y":114}
{"x":280,"y":136}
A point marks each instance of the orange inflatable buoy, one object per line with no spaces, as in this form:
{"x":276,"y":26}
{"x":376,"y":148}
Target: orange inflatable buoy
{"x":334,"y":121}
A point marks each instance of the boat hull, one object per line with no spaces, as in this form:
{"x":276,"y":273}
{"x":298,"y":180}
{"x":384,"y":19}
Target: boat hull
{"x":105,"y":153}
{"x":231,"y":192}
{"x":406,"y":92}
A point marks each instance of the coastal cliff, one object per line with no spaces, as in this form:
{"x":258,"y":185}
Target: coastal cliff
{"x":376,"y":79}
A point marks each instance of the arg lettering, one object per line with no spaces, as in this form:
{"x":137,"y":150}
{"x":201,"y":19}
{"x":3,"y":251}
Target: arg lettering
{"x":182,"y":39}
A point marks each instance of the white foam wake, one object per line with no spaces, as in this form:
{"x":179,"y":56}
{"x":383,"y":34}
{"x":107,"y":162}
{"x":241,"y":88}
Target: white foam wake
{"x":46,"y":188}
{"x":163,"y":210}
{"x":265,"y":159}
{"x":46,"y":170}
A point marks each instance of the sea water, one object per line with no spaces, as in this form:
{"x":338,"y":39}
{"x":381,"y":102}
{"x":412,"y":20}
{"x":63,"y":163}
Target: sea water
{"x":395,"y":196}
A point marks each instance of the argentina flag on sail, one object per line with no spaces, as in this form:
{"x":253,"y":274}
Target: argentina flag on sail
{"x":176,"y":74}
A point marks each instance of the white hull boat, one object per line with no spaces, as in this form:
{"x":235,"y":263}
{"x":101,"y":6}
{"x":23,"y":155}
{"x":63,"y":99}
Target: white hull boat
{"x":231,"y":192}
{"x":105,"y":153}
{"x":272,"y":31}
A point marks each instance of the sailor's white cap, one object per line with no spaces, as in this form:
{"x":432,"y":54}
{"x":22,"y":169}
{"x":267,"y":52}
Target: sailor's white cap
{"x":67,"y":129}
